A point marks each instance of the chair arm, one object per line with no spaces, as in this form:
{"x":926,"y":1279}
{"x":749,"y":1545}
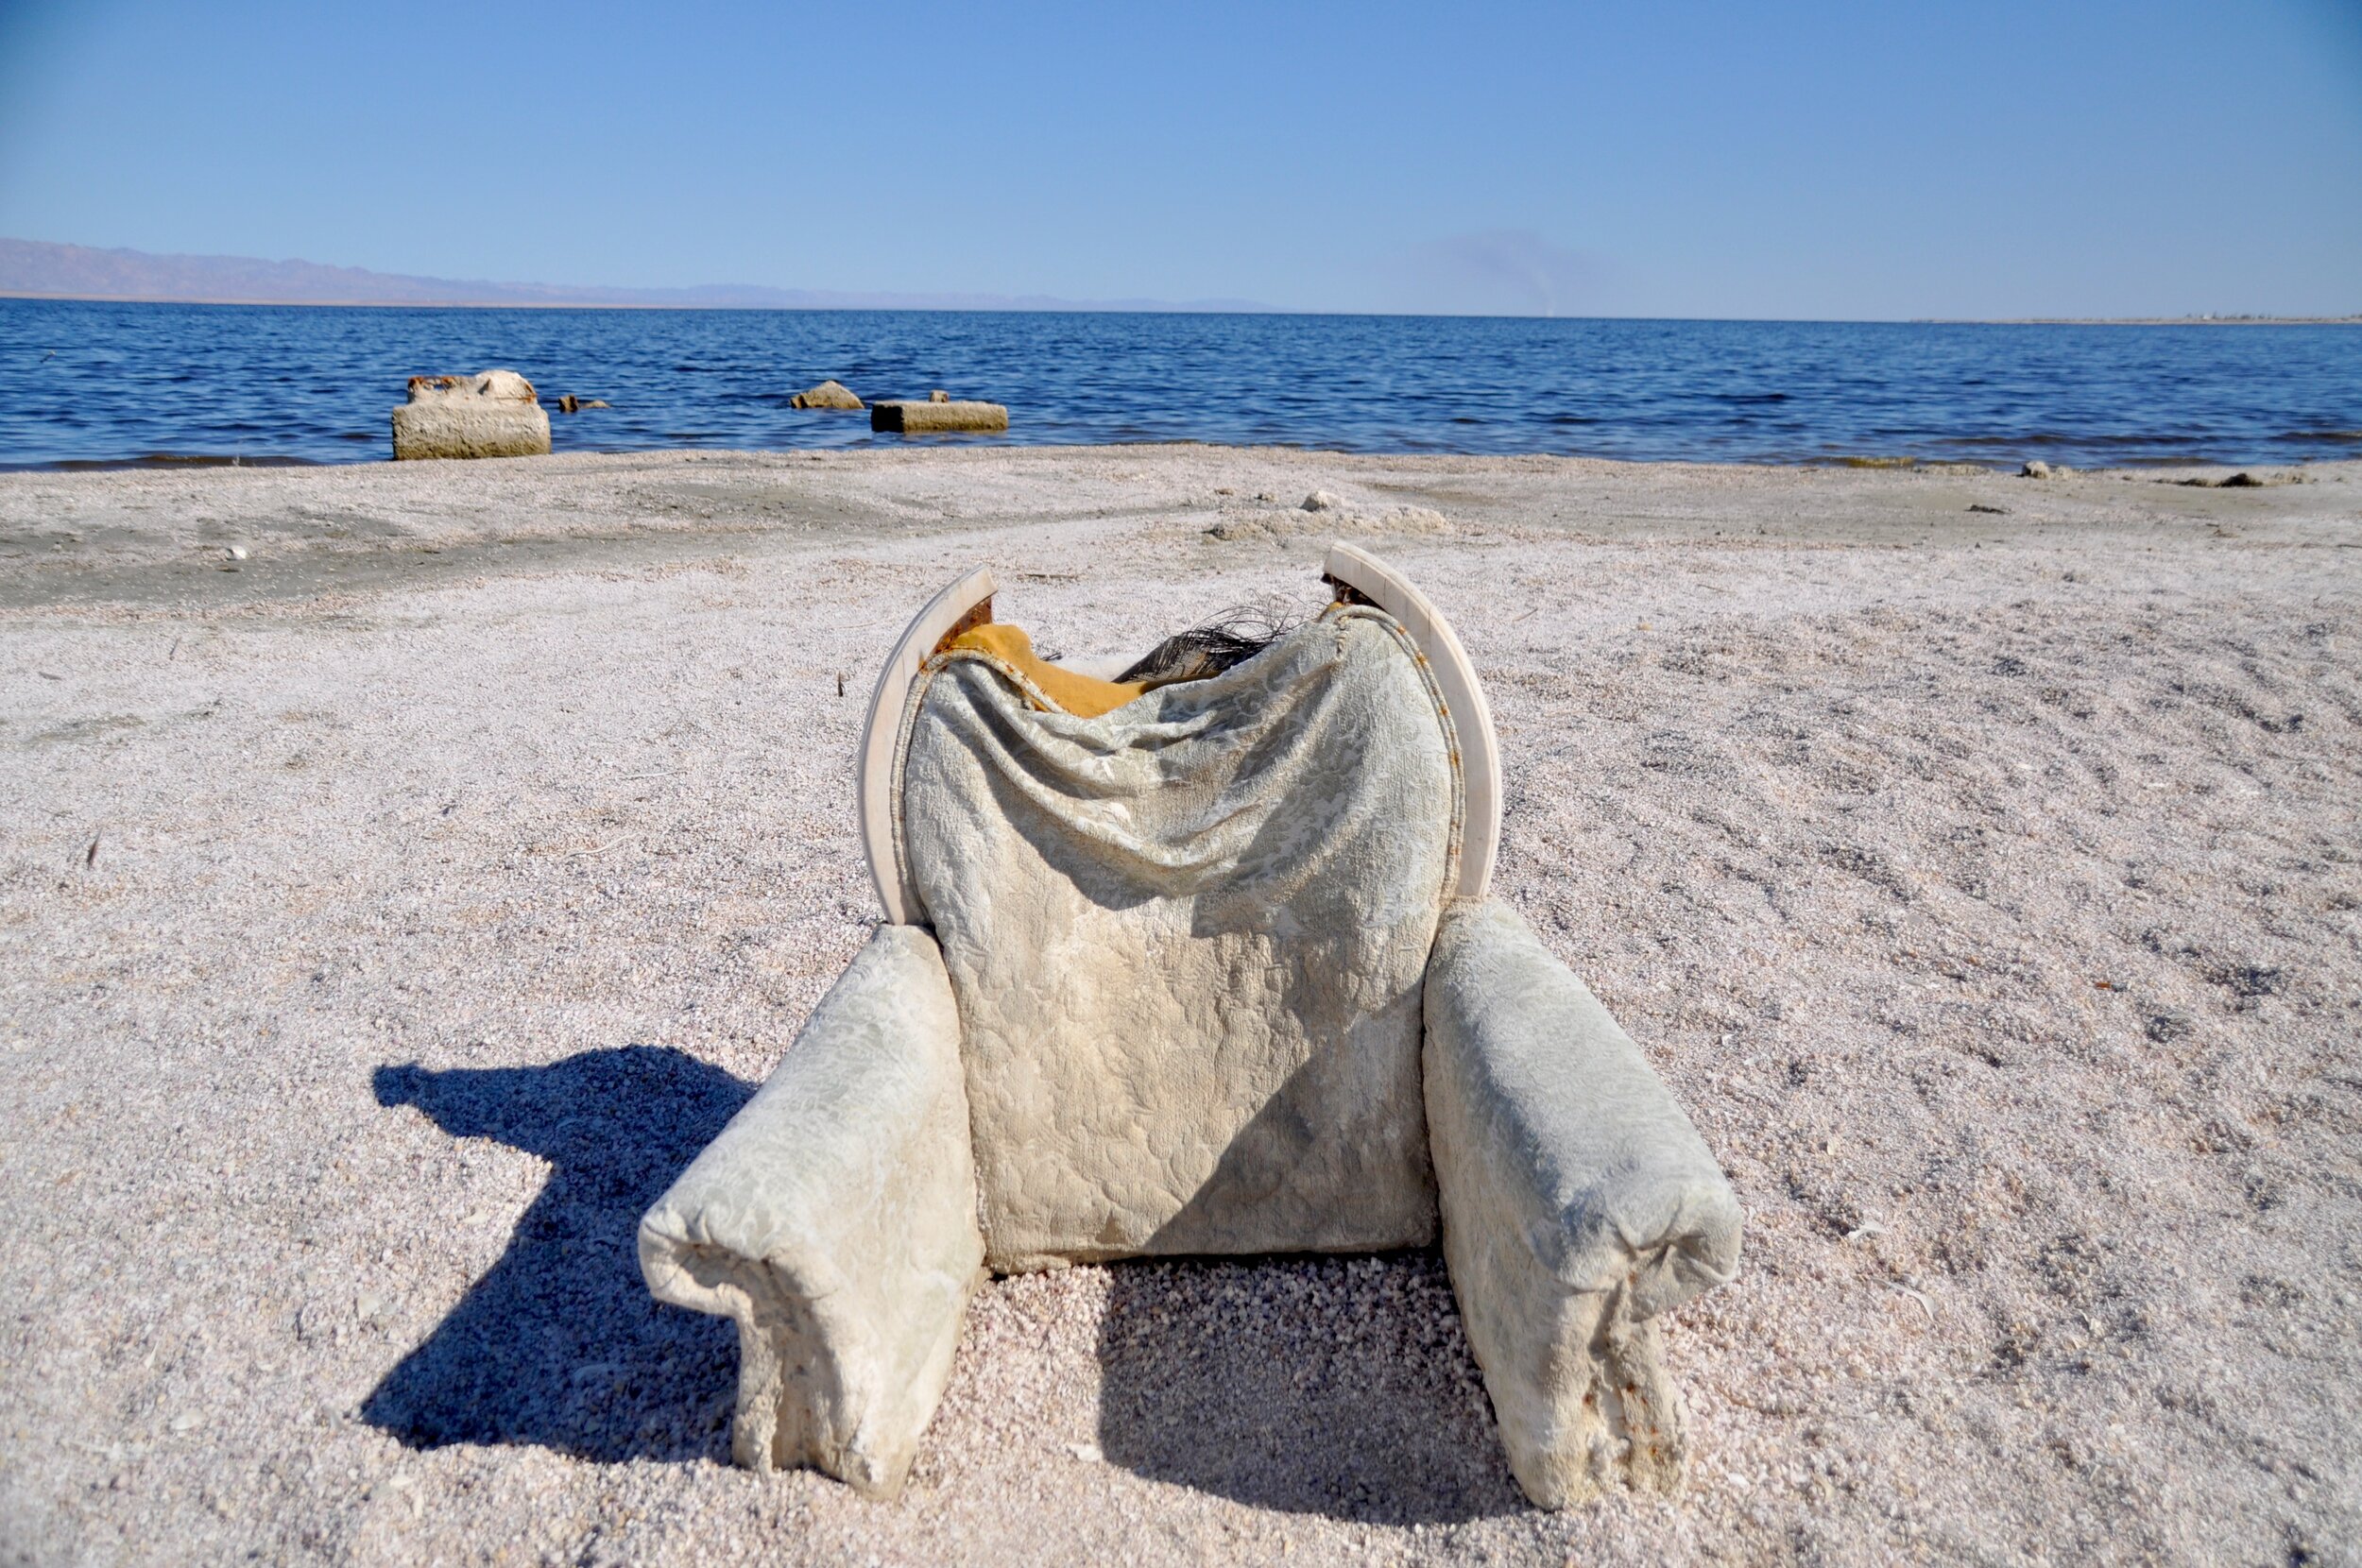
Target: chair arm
{"x":1578,"y":1204}
{"x":835,"y":1218}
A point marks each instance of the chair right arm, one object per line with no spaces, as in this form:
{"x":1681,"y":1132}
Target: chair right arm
{"x":1578,"y":1204}
{"x":835,"y":1218}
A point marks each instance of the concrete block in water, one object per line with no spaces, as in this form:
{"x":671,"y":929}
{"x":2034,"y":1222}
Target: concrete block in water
{"x":910,"y":417}
{"x":492,"y":414}
{"x":828,"y":394}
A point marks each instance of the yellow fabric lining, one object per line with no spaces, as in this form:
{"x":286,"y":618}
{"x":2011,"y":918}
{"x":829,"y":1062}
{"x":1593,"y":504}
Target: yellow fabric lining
{"x":1080,"y":696}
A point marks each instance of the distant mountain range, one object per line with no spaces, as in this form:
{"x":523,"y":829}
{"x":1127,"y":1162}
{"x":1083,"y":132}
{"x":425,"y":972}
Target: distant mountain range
{"x":39,"y":269}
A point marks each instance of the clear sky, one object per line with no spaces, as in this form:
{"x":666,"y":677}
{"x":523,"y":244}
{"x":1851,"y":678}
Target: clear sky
{"x":1683,"y":158}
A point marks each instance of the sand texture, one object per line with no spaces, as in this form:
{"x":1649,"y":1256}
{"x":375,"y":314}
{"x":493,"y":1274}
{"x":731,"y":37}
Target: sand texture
{"x":387,"y":917}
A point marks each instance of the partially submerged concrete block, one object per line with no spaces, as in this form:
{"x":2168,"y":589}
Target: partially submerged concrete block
{"x":828,"y":394}
{"x":492,"y":414}
{"x":908,"y":417}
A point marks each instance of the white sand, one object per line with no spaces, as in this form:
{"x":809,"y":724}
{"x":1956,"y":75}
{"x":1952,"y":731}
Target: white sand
{"x":1986,"y":886}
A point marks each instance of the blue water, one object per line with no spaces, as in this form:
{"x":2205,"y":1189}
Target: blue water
{"x":88,"y":382}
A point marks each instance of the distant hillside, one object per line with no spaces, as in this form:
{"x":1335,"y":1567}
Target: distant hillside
{"x":40,"y":269}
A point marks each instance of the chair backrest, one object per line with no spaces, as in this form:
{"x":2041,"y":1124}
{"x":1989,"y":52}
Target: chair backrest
{"x":1187,"y":939}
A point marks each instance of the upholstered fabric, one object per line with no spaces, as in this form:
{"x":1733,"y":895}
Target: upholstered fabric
{"x":1579,"y":1202}
{"x":1187,"y":938}
{"x":1047,"y":685}
{"x":835,"y":1218}
{"x":1184,"y":977}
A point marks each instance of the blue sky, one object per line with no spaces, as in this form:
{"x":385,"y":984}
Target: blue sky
{"x":1766,"y":159}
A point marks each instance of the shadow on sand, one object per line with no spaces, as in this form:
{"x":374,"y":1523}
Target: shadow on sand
{"x":559,"y":1345}
{"x":1337,"y":1385}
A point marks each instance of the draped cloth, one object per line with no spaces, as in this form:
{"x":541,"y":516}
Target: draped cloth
{"x":1187,"y":939}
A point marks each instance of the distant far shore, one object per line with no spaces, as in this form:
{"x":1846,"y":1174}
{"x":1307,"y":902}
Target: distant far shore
{"x":1065,"y":307}
{"x":37,"y":269}
{"x":2141,"y":322}
{"x":467,"y":304}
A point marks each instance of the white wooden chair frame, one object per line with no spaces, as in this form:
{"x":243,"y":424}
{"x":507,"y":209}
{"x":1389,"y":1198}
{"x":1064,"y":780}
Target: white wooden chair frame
{"x":956,"y":608}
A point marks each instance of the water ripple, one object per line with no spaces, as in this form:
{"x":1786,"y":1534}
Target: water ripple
{"x":92,"y":383}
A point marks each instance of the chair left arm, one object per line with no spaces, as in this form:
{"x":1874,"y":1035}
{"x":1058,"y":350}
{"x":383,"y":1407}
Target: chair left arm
{"x":835,"y":1218}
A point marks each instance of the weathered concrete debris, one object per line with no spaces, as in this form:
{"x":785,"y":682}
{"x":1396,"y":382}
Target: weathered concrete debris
{"x":492,"y":414}
{"x":911,"y":417}
{"x":828,"y":394}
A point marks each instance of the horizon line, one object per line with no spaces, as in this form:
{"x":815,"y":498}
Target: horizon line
{"x":2209,"y":318}
{"x":66,"y":272}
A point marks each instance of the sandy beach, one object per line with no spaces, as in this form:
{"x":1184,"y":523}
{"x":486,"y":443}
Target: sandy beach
{"x":390,"y":908}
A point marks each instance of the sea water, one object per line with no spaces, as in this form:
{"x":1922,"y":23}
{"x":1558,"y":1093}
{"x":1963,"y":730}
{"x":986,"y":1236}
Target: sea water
{"x":108,"y":383}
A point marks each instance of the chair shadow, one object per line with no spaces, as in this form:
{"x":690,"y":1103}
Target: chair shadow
{"x":560,"y":1344}
{"x":1336,"y":1386}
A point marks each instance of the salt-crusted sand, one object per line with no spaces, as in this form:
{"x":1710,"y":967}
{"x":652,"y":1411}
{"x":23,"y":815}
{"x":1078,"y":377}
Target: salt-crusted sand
{"x":385,"y":921}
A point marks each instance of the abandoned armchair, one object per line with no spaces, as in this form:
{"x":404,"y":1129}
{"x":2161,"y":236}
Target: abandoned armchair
{"x":1196,"y":961}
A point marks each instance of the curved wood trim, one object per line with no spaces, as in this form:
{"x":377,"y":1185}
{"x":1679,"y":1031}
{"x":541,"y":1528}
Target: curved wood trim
{"x":967,"y":602}
{"x":1455,"y":677}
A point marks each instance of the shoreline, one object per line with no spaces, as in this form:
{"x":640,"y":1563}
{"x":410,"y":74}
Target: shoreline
{"x":405,"y":868}
{"x":120,"y":382}
{"x":152,"y":535}
{"x":2149,"y":469}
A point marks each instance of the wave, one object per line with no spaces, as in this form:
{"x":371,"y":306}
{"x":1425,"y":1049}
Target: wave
{"x":162,"y":386}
